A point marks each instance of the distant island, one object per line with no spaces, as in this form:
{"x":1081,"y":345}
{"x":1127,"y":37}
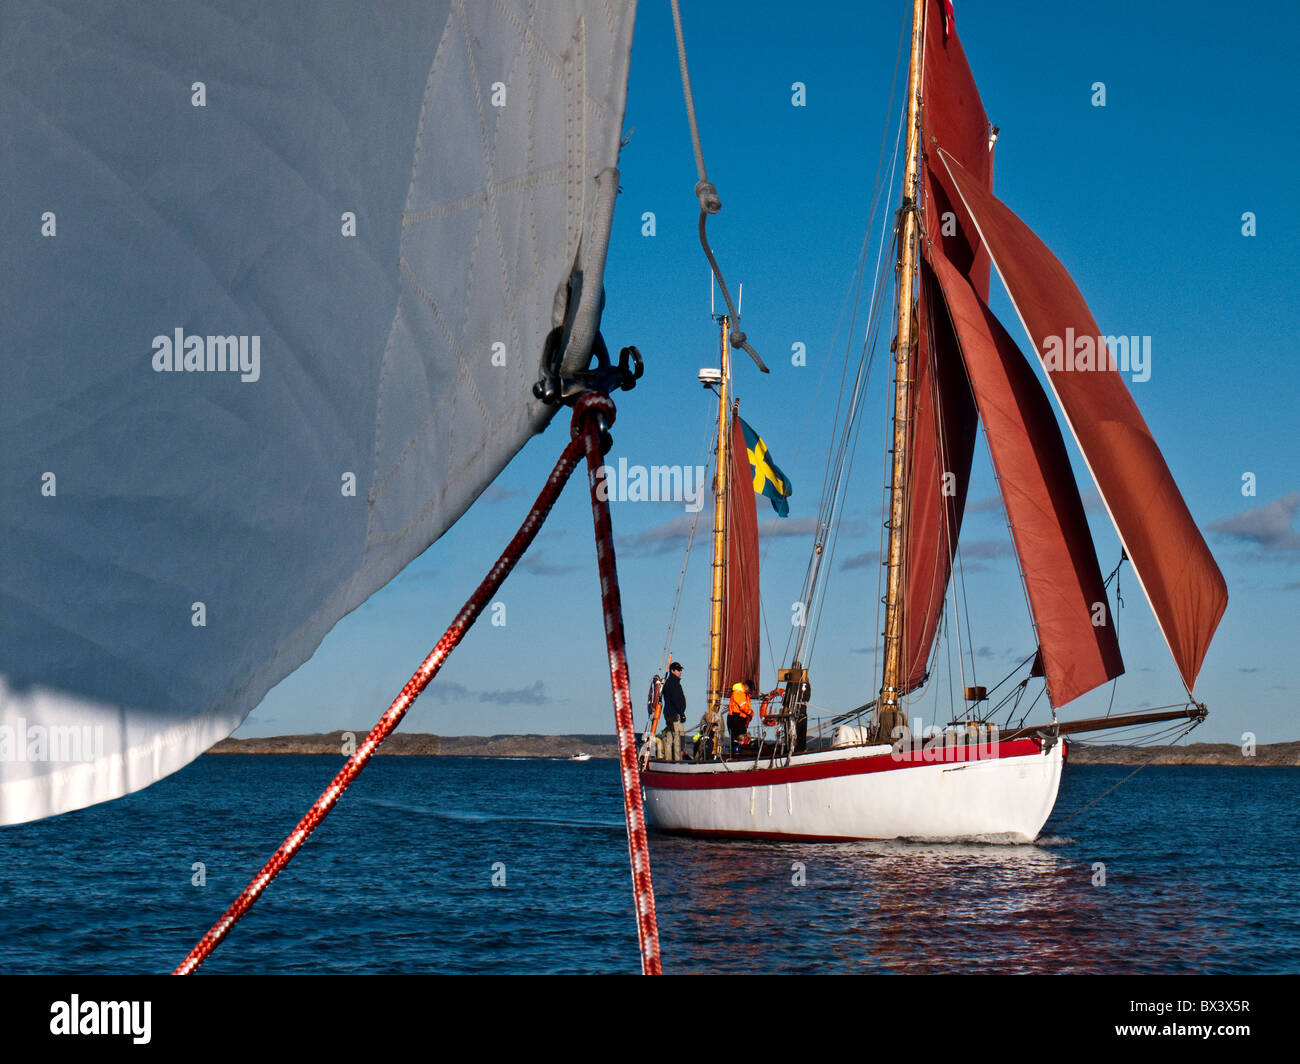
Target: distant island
{"x":417,"y":745}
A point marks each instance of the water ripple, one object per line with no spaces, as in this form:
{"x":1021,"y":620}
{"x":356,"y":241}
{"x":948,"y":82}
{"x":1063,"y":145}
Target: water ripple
{"x":1180,"y":870}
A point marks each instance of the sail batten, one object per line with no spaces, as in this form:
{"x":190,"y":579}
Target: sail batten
{"x":1173,"y":564}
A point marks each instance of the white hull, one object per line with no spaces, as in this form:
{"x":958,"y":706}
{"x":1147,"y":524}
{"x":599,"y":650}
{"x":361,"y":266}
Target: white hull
{"x":863,"y":793}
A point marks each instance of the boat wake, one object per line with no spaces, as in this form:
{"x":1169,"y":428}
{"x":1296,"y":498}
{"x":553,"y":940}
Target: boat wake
{"x":993,"y":839}
{"x":999,"y":839}
{"x":987,"y":845}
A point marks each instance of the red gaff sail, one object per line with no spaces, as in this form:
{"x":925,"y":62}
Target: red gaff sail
{"x":1048,"y":524}
{"x":740,"y":618}
{"x":1173,"y":564}
{"x":941,"y":446}
{"x":952,"y":117}
{"x":943,"y":418}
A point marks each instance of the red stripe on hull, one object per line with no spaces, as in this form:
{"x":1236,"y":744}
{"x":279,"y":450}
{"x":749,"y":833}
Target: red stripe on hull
{"x":763,"y":777}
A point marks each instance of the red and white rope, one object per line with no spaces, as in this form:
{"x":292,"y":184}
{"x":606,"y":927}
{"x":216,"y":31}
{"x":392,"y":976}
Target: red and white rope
{"x":643,"y":894}
{"x":586,"y":438}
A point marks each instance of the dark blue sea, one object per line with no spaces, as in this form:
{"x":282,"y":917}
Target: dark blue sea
{"x":1200,"y":870}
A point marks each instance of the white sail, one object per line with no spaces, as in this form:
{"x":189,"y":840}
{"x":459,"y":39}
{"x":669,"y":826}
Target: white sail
{"x":182,"y":184}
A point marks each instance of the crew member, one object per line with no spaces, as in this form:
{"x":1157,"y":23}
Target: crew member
{"x":739,"y":714}
{"x":705,"y":736}
{"x":674,"y":712}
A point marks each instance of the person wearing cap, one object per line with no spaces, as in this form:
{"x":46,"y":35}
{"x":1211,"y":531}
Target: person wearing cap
{"x":674,"y":712}
{"x":739,"y":714}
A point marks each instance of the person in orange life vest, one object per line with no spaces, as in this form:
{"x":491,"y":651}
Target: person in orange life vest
{"x":739,"y":714}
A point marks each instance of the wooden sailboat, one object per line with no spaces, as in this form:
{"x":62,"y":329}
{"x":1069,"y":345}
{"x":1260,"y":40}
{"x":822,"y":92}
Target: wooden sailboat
{"x":954,"y":364}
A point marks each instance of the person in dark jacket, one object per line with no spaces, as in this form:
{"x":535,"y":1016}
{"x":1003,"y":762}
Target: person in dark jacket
{"x":674,"y":712}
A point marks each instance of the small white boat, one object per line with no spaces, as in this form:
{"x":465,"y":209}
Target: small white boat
{"x":580,"y":757}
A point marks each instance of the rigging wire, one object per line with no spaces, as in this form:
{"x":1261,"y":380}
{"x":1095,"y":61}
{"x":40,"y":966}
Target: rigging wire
{"x":686,"y":557}
{"x":831,"y":507}
{"x":1006,"y":521}
{"x":1114,"y":619}
{"x":847,"y":454}
{"x":1025,"y":715}
{"x":827,"y":499}
{"x":862,"y":257}
{"x":1110,"y":790}
{"x":767,"y":632}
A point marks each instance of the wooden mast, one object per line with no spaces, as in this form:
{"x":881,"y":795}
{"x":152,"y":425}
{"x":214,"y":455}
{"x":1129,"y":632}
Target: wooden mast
{"x":889,"y":714}
{"x":722,"y":458}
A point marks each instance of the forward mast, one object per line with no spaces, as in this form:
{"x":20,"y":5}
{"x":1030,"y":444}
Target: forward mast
{"x":722,"y":459}
{"x":889,"y":713}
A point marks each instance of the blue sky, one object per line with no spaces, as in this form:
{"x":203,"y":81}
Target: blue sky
{"x":1142,"y":200}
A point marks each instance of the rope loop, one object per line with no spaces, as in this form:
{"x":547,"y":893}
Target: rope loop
{"x":596,"y":405}
{"x":594,"y":412}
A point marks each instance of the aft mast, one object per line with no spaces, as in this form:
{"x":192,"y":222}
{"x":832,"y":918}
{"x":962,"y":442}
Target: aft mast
{"x":723,"y":460}
{"x":889,"y":715}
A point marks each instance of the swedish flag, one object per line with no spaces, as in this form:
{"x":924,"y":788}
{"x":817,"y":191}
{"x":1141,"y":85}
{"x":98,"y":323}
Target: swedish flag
{"x":768,"y":479}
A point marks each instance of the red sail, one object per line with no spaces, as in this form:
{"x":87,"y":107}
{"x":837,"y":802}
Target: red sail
{"x":943,"y":412}
{"x":1048,"y":524}
{"x":740,"y":634}
{"x":952,"y":117}
{"x":942,"y":443}
{"x":1173,"y":564}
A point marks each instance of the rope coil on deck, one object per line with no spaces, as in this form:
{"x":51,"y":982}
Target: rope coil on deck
{"x":591,"y":414}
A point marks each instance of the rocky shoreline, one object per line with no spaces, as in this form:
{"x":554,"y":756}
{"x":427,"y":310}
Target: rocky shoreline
{"x":563,"y":746}
{"x":1270,"y":755}
{"x":417,"y":745}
